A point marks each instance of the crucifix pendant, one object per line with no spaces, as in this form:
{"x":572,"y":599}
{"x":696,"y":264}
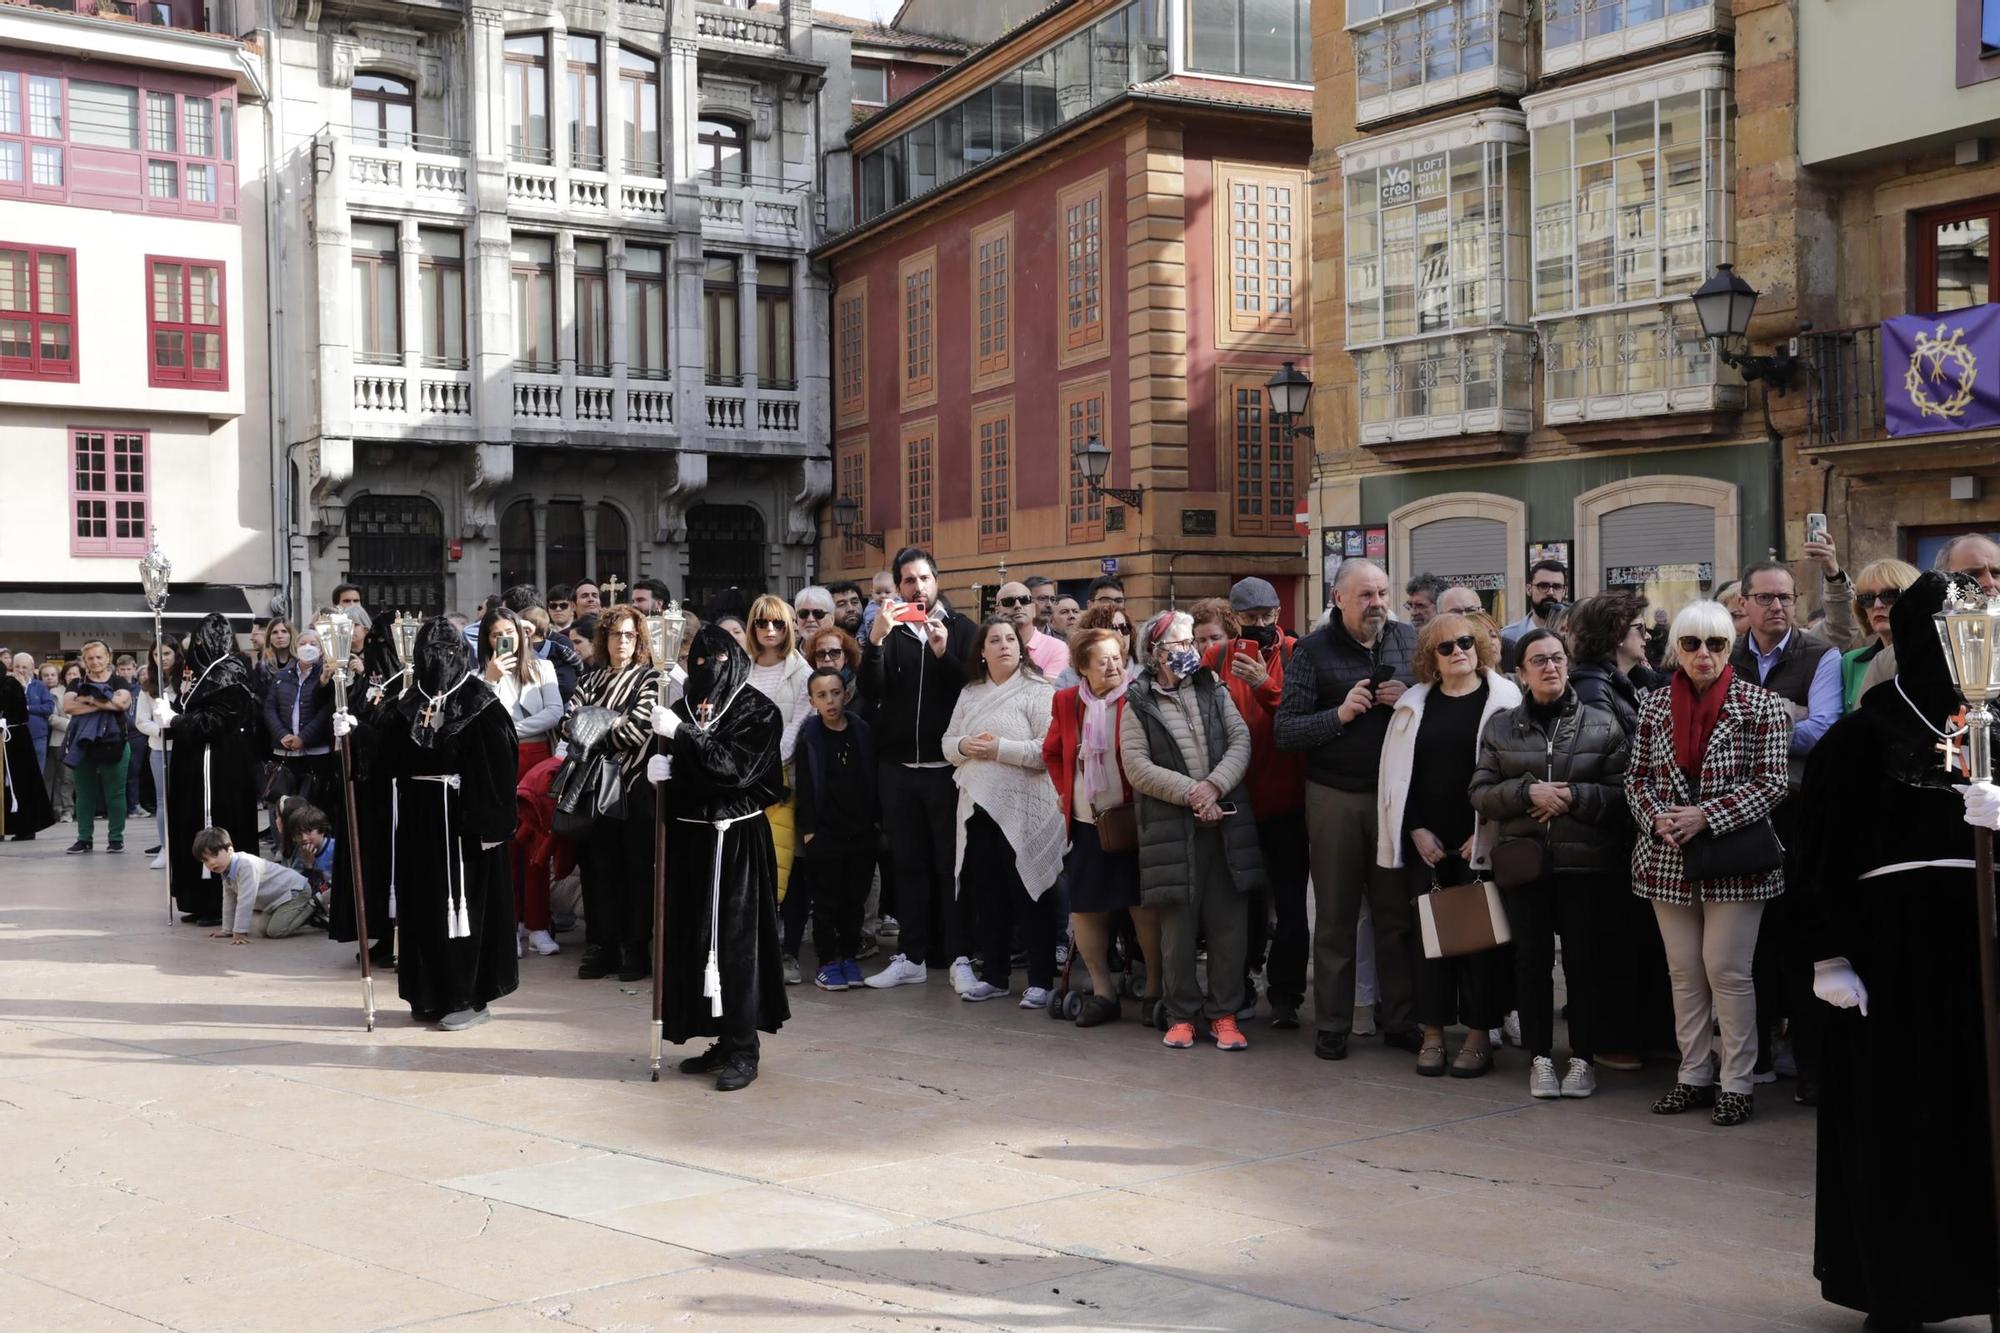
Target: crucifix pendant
{"x":705,"y":712}
{"x":431,"y":717}
{"x":1955,"y":761}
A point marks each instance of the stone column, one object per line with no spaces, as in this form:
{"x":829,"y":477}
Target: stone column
{"x":746,"y":330}
{"x":590,"y":570}
{"x":541,"y":542}
{"x":410,"y":299}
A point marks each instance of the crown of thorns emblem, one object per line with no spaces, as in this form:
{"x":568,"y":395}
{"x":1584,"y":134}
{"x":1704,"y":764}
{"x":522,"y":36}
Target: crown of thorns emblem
{"x":1945,"y":365}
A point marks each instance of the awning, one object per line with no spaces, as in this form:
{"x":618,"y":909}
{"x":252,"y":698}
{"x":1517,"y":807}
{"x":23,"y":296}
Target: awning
{"x":121,"y":612}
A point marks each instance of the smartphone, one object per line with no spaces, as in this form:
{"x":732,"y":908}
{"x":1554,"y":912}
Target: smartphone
{"x":1227,"y":808}
{"x":1816,"y":528}
{"x":912,"y":614}
{"x":1382,"y":673}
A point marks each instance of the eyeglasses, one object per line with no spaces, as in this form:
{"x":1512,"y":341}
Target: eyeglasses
{"x":622,"y":634}
{"x":835,"y":654}
{"x":1692,"y":645}
{"x":1013,"y":601}
{"x":1175,"y":645}
{"x":1548,"y":587}
{"x":1464,"y":643}
{"x":807,"y":613}
{"x":1542,"y":660}
{"x":1774,"y":598}
{"x":1887,"y":597}
{"x":558,"y":606}
{"x":1636,"y":627}
{"x":767,"y":624}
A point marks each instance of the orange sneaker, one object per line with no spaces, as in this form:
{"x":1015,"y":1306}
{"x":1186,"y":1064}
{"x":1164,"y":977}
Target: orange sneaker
{"x":1228,"y":1036}
{"x":1180,"y":1036}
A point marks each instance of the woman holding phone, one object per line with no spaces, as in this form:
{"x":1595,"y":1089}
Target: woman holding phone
{"x":528,"y":687}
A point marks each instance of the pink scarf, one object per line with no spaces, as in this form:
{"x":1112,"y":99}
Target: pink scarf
{"x":1100,"y":738}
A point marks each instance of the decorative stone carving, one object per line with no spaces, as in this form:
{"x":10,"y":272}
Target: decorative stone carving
{"x":682,"y":483}
{"x":377,"y":46}
{"x":488,"y":467}
{"x":813,"y":479}
{"x":327,"y":466}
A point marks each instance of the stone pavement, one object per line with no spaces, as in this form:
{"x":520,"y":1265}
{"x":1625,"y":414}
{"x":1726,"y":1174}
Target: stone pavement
{"x":202,"y":1136}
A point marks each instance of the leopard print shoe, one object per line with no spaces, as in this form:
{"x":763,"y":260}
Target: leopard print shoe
{"x":1732,"y":1108}
{"x":1684,"y":1097}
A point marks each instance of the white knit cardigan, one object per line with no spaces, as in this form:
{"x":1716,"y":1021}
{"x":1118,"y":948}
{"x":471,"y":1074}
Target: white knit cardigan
{"x":1014,"y":789}
{"x":1392,"y":788}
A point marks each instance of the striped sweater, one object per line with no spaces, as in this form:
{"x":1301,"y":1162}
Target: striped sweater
{"x":632,"y":693}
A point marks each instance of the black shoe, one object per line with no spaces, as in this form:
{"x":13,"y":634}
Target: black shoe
{"x":635,"y":965}
{"x":154,"y":850}
{"x":114,"y":846}
{"x":1684,"y":1097}
{"x":1330,"y":1045}
{"x":189,"y":918}
{"x":740,"y":1071}
{"x":1097,"y":1010}
{"x":707,"y":1062}
{"x":210,"y":921}
{"x":1806,"y":1093}
{"x":80,"y":845}
{"x":596,"y":962}
{"x":24,"y":837}
{"x":1284,"y":1017}
{"x":1409,"y":1039}
{"x":382,"y":953}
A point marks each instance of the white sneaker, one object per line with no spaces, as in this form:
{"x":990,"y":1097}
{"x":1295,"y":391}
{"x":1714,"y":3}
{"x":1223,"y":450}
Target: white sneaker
{"x":888,"y":928}
{"x":159,"y":862}
{"x":1510,"y":1027}
{"x":963,"y":978}
{"x":1768,"y":1076}
{"x":1035,"y":997}
{"x":543,"y":943}
{"x":1580,"y":1081}
{"x":1496,"y":1037}
{"x":982,"y":990}
{"x":1542,"y":1080}
{"x":900,"y":972}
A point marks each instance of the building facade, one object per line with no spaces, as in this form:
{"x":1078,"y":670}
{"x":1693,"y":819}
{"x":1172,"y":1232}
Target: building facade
{"x":132,"y":337}
{"x":547,"y":310}
{"x":1090,"y":232}
{"x":890,"y":63}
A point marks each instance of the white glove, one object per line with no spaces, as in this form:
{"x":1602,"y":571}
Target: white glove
{"x":163,"y":713}
{"x":1834,"y":981}
{"x":665,"y":721}
{"x":488,"y":846}
{"x":1982,"y":804}
{"x":658,"y":769}
{"x":343,"y":724}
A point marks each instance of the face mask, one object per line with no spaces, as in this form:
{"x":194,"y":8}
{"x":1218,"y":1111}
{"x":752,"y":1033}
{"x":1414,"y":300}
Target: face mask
{"x":1183,"y":662}
{"x":308,"y":653}
{"x":1261,"y":635}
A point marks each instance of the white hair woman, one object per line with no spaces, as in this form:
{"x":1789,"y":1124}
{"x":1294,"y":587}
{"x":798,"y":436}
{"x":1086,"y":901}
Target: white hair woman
{"x":1708,"y":760}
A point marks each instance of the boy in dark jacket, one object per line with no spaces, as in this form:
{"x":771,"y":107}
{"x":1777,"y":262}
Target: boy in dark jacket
{"x":838,"y":815}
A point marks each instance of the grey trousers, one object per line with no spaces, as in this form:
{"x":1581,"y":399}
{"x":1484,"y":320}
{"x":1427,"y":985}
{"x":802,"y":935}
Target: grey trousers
{"x":1342,"y":826}
{"x":290,"y":917}
{"x":1218,"y":912}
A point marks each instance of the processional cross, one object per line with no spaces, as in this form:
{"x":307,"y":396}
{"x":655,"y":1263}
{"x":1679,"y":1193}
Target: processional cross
{"x":612,"y":587}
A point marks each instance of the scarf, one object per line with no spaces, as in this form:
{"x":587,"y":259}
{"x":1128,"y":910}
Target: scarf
{"x":1100,"y":738}
{"x":1695,"y":716}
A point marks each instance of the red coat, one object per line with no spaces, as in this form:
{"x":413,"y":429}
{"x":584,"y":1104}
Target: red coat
{"x":534,"y":811}
{"x":1277,"y":781}
{"x":1064,"y":743}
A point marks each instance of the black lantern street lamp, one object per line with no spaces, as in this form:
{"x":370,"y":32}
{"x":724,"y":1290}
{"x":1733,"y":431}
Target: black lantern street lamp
{"x":847,"y":518}
{"x":1093,"y":459}
{"x":1290,"y":392}
{"x":1724,"y":305}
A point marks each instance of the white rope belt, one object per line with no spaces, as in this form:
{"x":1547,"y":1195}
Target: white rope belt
{"x":711,"y":977}
{"x":1901,"y":866}
{"x":457,"y":909}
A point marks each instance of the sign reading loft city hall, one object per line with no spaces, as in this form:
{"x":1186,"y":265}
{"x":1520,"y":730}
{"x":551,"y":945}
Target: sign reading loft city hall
{"x":1942,"y":372}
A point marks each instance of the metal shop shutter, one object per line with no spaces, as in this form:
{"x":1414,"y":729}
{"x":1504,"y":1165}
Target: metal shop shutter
{"x":1451,"y":547}
{"x":1657,"y":534}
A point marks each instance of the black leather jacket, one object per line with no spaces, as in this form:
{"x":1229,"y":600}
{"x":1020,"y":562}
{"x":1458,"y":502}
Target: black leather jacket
{"x":1584,"y":747}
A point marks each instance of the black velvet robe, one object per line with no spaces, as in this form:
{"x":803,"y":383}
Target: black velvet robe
{"x":1905,"y":1191}
{"x":24,"y":801}
{"x":727,"y":772}
{"x":217,"y":743}
{"x":436,"y":974}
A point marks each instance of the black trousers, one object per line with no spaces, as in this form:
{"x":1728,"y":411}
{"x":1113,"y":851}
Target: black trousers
{"x":617,"y":862}
{"x":1569,"y":906}
{"x":839,"y":878}
{"x":920,"y":817}
{"x":797,"y":908}
{"x":1287,"y":866}
{"x":1782,"y":970}
{"x":993,"y":883}
{"x":1635,"y":1010}
{"x":1452,"y":990}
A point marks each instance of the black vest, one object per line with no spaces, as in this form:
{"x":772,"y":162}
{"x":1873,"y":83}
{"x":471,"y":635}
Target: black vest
{"x":1791,"y":678}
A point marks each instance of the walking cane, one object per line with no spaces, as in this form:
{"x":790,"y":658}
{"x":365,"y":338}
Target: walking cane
{"x":336,"y":636}
{"x":1969,"y":624}
{"x":154,"y":568}
{"x":665,"y":630}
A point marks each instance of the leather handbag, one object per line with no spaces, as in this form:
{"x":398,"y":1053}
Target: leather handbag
{"x":1464,"y":919}
{"x":587,"y":779}
{"x":1744,"y":853}
{"x":1520,"y":862}
{"x":1118,"y":828}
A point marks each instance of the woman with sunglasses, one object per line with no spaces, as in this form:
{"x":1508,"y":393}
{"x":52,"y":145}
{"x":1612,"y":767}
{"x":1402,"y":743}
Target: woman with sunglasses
{"x":834,"y":649}
{"x":1708,"y":758}
{"x":1428,"y":828}
{"x":779,"y":674}
{"x":1876,"y":588}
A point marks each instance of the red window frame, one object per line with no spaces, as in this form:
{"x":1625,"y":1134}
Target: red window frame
{"x":103,"y":493}
{"x":1924,"y":225}
{"x":35,"y":366}
{"x":187,"y":376}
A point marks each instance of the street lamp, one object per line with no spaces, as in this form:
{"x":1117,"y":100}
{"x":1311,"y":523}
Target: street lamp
{"x":1290,"y":391}
{"x":1724,"y":305}
{"x":1093,"y":460}
{"x":847,"y":518}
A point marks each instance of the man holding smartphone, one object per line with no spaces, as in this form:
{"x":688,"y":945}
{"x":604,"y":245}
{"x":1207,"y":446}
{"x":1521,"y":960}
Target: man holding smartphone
{"x":1340,"y":684}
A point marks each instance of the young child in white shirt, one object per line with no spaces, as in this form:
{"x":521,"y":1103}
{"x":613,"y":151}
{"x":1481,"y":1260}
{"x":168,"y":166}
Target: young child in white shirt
{"x":250,"y":883}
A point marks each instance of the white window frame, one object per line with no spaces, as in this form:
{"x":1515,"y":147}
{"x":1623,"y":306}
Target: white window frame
{"x":1691,"y":21}
{"x":1506,"y":72}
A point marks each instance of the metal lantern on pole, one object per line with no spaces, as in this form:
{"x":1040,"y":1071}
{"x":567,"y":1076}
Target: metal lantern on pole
{"x":666,"y":632}
{"x":336,"y":637}
{"x":154,"y":571}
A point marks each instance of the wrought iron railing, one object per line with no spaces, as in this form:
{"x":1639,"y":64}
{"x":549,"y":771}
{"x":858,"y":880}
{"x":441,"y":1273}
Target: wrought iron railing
{"x":1843,"y":384}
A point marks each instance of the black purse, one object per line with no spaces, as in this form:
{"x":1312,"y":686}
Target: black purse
{"x":590,"y":785}
{"x":1520,"y":862}
{"x":1743,"y":853}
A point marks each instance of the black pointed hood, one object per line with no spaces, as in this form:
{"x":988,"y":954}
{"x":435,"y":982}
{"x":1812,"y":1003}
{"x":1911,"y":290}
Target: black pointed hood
{"x":717,"y":669}
{"x":446,"y":694}
{"x":212,"y":660}
{"x":1920,"y":655}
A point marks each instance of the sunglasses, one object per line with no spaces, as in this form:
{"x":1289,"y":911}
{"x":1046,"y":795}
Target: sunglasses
{"x":558,"y":606}
{"x":1013,"y":601}
{"x":824,"y":654}
{"x":1886,"y":597}
{"x":768,"y":624}
{"x":1463,"y":643}
{"x":1692,"y":645}
{"x":806,"y":614}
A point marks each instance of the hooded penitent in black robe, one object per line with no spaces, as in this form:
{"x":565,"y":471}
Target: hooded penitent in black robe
{"x":367,"y":699}
{"x":24,"y":801}
{"x":725,"y":768}
{"x":1905,"y":1197}
{"x":217,"y":744}
{"x":454,"y":892}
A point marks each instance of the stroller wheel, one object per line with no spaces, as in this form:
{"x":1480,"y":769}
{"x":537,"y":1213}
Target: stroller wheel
{"x":1056,"y":998}
{"x":1072,"y":1005}
{"x":1158,"y":1010}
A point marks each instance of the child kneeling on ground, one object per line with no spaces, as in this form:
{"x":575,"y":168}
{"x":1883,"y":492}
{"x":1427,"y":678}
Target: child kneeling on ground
{"x":250,"y":883}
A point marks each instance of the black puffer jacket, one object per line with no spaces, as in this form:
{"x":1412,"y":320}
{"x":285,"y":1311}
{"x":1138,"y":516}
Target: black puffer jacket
{"x":1608,"y":688}
{"x":1586,"y":748}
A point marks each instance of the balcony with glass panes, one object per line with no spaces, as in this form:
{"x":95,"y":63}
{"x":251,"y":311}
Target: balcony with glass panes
{"x":1410,"y":55}
{"x":1584,"y":32}
{"x":1437,"y":289}
{"x":1633,"y":206}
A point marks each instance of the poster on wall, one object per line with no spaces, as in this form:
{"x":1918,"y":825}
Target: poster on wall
{"x":1551,"y":551}
{"x":1339,"y":545}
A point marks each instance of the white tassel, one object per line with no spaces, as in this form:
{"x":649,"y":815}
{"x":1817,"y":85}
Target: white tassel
{"x":711,"y":984}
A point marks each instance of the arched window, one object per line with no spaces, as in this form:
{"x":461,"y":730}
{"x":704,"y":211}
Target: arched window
{"x":567,"y":538}
{"x":395,"y":553}
{"x":724,"y":157}
{"x":517,"y":544}
{"x":614,"y":543}
{"x":385,"y":111}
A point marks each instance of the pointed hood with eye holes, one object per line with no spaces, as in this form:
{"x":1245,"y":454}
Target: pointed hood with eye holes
{"x":717,"y":669}
{"x":1921,"y":667}
{"x":442,"y":672}
{"x":212,"y":660}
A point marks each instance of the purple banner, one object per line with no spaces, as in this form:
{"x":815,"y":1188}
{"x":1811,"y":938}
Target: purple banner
{"x":1942,"y":372}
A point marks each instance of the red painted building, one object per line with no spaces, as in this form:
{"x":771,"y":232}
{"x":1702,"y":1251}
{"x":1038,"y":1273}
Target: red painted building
{"x":1086,"y":230}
